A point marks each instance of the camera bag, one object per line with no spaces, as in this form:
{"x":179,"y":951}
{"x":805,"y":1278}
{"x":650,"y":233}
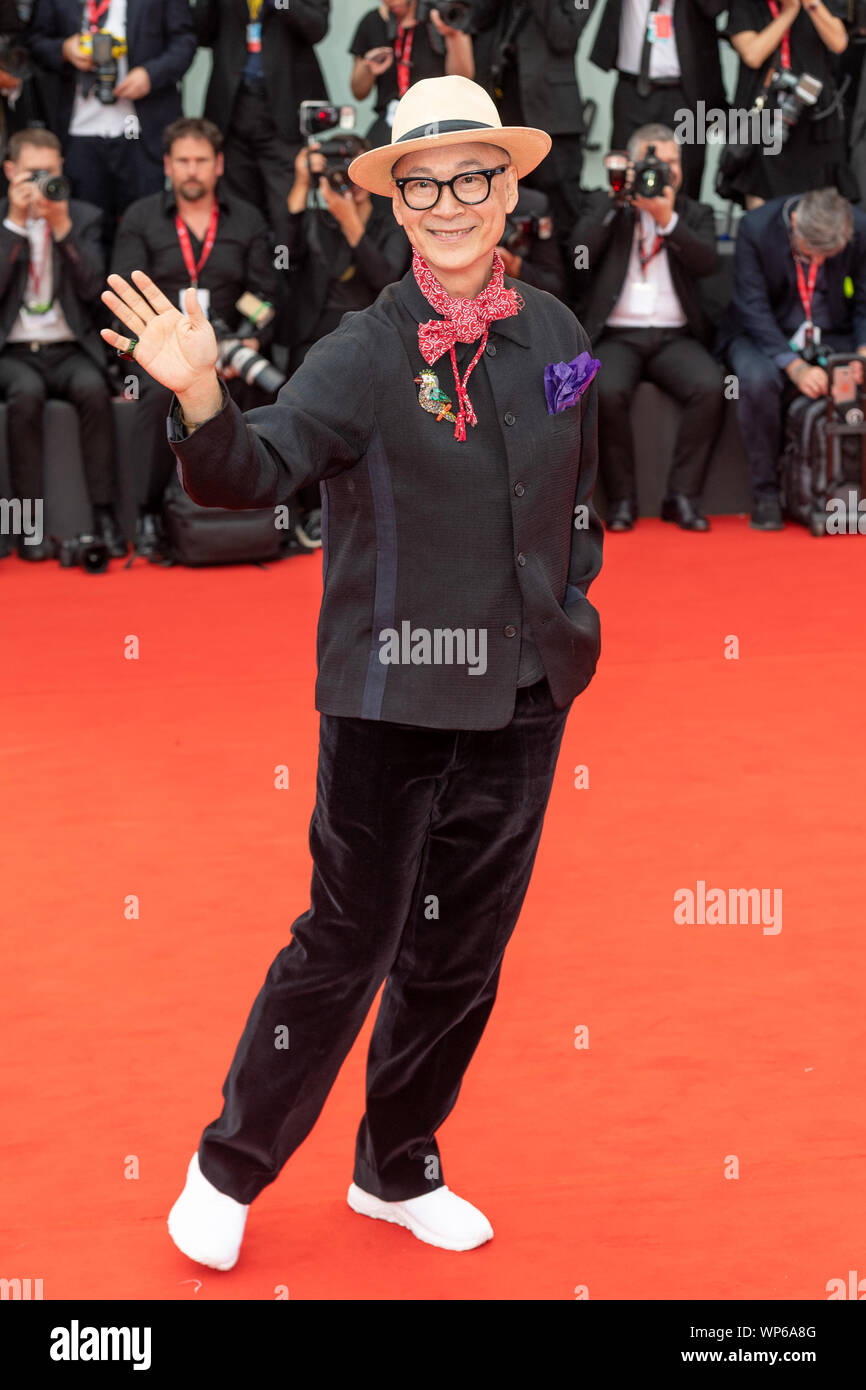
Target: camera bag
{"x":823,"y":459}
{"x":197,"y":535}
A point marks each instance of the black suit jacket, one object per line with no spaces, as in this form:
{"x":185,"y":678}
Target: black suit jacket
{"x":291,"y":69}
{"x":546,"y":45}
{"x":697,"y":46}
{"x":765,"y":283}
{"x":691,"y":251}
{"x":160,"y":37}
{"x":78,"y":265}
{"x":418,"y":527}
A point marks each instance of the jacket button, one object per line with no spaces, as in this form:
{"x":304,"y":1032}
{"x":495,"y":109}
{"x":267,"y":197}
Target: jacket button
{"x":490,"y":349}
{"x":508,"y":417}
{"x":519,"y":489}
{"x":521,"y":558}
{"x":510,"y":631}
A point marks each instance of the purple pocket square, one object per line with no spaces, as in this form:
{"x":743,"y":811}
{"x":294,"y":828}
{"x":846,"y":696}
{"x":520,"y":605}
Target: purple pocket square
{"x":565,"y":382}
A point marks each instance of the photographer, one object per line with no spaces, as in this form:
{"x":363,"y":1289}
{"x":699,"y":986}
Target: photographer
{"x":644,"y":252}
{"x":666,"y":55}
{"x":340,"y":256}
{"x":800,"y":289}
{"x":111,"y":113}
{"x":264,"y":66}
{"x":51,"y":269}
{"x":525,"y":57}
{"x":397,"y":44}
{"x":193,"y":233}
{"x":789,"y":39}
{"x":530,"y":252}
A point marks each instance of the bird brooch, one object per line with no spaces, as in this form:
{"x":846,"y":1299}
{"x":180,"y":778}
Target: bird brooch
{"x":432,"y":398}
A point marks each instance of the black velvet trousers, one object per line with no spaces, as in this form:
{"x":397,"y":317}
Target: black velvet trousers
{"x":423,"y":842}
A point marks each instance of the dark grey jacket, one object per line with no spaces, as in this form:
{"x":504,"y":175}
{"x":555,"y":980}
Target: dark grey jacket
{"x":418,"y":527}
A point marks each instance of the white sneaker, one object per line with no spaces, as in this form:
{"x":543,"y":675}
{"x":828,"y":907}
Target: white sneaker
{"x":439,"y":1217}
{"x":206,"y":1224}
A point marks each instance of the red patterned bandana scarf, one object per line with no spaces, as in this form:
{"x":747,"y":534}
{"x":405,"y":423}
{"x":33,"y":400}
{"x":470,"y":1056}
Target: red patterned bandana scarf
{"x":464,"y":321}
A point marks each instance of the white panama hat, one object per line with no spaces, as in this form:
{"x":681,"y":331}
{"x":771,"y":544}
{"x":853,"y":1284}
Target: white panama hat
{"x":440,"y":111}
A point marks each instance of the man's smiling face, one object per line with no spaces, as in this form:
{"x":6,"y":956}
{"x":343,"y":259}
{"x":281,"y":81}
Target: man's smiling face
{"x":456,"y":238}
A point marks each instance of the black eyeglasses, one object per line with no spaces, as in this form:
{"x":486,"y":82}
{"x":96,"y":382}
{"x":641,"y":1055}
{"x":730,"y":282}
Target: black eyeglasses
{"x":471,"y":187}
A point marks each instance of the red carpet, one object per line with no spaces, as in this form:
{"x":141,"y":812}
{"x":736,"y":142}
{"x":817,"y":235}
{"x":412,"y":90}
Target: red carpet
{"x":601,"y":1166}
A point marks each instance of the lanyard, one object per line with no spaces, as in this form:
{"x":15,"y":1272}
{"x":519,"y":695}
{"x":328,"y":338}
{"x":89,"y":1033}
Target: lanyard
{"x":806,"y":290}
{"x":645,"y":260}
{"x":404,"y":40}
{"x":95,"y":13}
{"x":254,"y":8}
{"x":35,"y":273}
{"x":186,"y":245}
{"x":786,"y":41}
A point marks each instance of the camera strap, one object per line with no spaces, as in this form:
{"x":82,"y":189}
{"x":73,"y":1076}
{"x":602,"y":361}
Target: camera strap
{"x":785,"y":46}
{"x":192,"y":268}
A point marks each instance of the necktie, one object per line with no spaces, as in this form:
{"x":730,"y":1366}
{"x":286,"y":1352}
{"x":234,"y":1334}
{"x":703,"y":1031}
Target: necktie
{"x":643,"y":82}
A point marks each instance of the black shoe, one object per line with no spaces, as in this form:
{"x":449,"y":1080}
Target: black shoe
{"x":621,"y":515}
{"x":107,"y":530}
{"x":683,"y":511}
{"x":767,"y":515}
{"x":43,"y":551}
{"x":149,"y":539}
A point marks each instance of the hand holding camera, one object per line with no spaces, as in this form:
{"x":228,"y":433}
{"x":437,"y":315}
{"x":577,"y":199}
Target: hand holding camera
{"x":645,"y":184}
{"x":38,"y":193}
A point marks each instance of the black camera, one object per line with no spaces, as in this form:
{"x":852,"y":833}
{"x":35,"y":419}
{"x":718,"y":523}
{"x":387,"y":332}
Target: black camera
{"x":54,"y":187}
{"x":316,"y":118}
{"x":650,"y":176}
{"x":87,"y":551}
{"x":339,"y":154}
{"x":104,"y":67}
{"x":794,"y":93}
{"x":520,"y":234}
{"x":457,"y":14}
{"x":249,"y":364}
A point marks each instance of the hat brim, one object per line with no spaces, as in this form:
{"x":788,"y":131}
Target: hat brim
{"x":526,"y":146}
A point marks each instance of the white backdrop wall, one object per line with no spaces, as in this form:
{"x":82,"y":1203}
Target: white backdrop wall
{"x":336,"y":63}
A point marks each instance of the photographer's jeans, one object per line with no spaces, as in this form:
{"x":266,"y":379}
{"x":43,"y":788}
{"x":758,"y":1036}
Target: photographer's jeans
{"x":423,"y":842}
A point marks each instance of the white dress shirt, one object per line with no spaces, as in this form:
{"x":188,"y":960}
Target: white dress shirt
{"x":648,"y":298}
{"x":51,"y":327}
{"x":664,"y":58}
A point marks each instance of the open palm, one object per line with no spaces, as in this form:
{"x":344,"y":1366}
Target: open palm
{"x":178,"y":350}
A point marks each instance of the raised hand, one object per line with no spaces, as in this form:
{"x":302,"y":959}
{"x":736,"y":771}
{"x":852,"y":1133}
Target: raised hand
{"x":178,"y":350}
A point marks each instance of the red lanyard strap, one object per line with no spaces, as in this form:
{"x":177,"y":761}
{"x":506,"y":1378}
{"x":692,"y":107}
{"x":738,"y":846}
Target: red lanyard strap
{"x":35,"y":272}
{"x":95,"y":13}
{"x":403,"y":41}
{"x":786,"y":41}
{"x":807,"y":291}
{"x":645,"y":260}
{"x":192,"y":268}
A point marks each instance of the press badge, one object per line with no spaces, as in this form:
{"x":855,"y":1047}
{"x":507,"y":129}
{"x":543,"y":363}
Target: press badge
{"x":203,"y":297}
{"x":254,"y":37}
{"x":390,"y":109}
{"x":798,"y":342}
{"x":643,"y":297}
{"x":659,"y":26}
